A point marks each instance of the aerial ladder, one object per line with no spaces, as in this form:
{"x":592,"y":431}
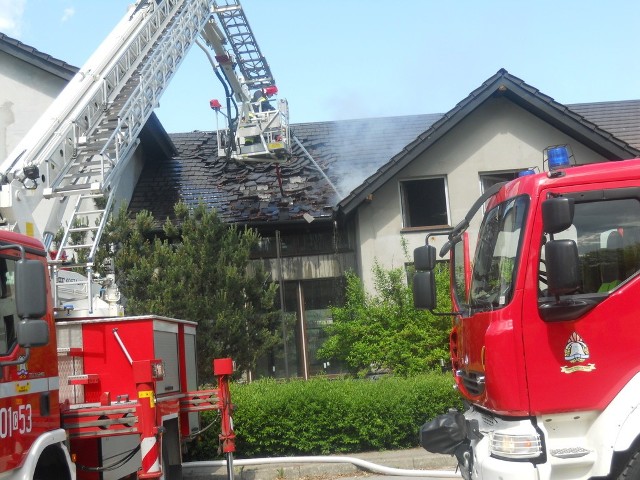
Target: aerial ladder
{"x":61,"y":181}
{"x":257,"y":130}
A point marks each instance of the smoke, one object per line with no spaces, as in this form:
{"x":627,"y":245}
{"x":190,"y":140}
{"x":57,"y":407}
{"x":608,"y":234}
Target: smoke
{"x":360,"y":147}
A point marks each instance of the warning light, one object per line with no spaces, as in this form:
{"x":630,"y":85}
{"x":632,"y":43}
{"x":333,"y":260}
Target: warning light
{"x":223,"y":59}
{"x":557,"y":157}
{"x":272,"y":90}
{"x":524,"y":173}
{"x":215,"y":105}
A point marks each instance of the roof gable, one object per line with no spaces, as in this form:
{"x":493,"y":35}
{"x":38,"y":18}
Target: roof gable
{"x":36,"y":58}
{"x":516,"y":90}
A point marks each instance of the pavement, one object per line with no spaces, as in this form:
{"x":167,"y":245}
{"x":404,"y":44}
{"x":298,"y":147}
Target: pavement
{"x":406,"y":460}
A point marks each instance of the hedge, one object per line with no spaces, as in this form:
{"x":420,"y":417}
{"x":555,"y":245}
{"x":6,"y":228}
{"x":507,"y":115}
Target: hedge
{"x":323,"y":416}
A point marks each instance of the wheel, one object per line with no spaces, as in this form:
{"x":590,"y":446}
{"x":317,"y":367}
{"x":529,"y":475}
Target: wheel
{"x":632,"y":469}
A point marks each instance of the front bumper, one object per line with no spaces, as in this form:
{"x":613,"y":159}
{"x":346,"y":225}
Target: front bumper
{"x":469,"y":437}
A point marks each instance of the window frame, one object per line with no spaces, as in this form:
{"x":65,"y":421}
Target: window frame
{"x":405,"y":205}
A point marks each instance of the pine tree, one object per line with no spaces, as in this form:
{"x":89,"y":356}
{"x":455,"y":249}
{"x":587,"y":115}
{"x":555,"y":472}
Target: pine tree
{"x":198,"y":269}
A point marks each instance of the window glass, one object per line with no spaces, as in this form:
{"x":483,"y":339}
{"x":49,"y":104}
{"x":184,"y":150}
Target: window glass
{"x":424,"y":202}
{"x":607,"y":234}
{"x":8,"y":312}
{"x":497,"y":253}
{"x":458,"y":274}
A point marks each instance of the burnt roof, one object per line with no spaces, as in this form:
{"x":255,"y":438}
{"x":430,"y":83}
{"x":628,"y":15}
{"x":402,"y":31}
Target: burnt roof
{"x":355,"y":156}
{"x":329,"y":160}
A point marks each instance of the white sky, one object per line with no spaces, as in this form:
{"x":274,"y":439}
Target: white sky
{"x":339,"y":59}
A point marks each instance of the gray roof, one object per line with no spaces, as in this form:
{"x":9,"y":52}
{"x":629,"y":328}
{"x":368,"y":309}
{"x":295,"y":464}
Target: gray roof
{"x":36,"y":58}
{"x":502,"y":84}
{"x":357,"y":156}
{"x":622,"y":118}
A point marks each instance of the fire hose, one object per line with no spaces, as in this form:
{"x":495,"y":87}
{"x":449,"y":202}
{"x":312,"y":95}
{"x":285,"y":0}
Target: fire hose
{"x":371,"y":467}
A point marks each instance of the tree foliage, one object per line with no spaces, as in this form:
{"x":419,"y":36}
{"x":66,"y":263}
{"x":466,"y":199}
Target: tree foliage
{"x":385,"y":331}
{"x":198,"y":271}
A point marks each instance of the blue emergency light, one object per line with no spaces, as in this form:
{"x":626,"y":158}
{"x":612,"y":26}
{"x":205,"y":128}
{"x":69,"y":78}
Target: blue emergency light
{"x":558,"y":157}
{"x":528,"y":171}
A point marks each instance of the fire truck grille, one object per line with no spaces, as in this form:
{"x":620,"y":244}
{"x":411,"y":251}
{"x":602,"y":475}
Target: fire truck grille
{"x":473,"y":382}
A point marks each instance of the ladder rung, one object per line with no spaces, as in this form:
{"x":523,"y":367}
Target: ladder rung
{"x":93,"y":188}
{"x":90,"y":212}
{"x":77,"y":247}
{"x":83,"y":229}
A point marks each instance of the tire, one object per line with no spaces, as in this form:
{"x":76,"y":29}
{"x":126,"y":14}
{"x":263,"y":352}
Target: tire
{"x":632,"y":469}
{"x":52,"y":465}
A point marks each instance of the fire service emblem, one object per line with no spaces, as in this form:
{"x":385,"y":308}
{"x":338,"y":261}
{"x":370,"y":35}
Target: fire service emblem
{"x":576,"y":351}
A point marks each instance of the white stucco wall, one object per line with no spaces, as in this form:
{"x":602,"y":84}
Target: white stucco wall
{"x":497,"y":136}
{"x":25,"y":93}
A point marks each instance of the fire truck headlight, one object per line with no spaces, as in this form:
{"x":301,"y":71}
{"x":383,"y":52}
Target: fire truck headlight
{"x":513,"y":447}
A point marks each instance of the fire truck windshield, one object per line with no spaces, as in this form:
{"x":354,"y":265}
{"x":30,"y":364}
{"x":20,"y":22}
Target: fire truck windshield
{"x":497,"y":253}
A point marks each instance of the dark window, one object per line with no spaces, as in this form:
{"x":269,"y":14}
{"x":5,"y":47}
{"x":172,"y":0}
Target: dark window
{"x":424,"y":202}
{"x":491,"y":178}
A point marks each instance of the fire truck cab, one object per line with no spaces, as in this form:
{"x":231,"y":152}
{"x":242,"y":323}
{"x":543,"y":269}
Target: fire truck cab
{"x":544,"y":343}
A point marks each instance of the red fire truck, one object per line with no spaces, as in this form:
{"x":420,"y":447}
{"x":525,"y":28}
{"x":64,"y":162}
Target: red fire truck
{"x":81,"y":385}
{"x":83,"y":388}
{"x":544,"y":345}
{"x":103,"y":397}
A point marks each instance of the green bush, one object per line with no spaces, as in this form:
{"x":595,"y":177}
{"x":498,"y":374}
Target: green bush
{"x":322,"y":416}
{"x":383,"y":330}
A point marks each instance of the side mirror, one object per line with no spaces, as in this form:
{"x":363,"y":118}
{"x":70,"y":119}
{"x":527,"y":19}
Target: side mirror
{"x":33,"y":333}
{"x":424,"y":284}
{"x":561,"y":257}
{"x":424,"y":290}
{"x":31,"y":289}
{"x":424,"y":258}
{"x":557,"y":214}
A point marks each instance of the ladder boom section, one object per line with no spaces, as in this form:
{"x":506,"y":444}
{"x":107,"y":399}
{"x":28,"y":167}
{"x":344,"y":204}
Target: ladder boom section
{"x":260,"y":130}
{"x":83,"y":141}
{"x":252,"y":64}
{"x":82,"y":144}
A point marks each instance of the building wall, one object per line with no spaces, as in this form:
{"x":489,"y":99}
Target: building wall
{"x":25,"y":92}
{"x":497,"y":136}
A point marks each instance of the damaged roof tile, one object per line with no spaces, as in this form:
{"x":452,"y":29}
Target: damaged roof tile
{"x":346,"y":151}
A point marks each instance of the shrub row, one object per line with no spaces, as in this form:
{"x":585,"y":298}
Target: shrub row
{"x":323,"y":416}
